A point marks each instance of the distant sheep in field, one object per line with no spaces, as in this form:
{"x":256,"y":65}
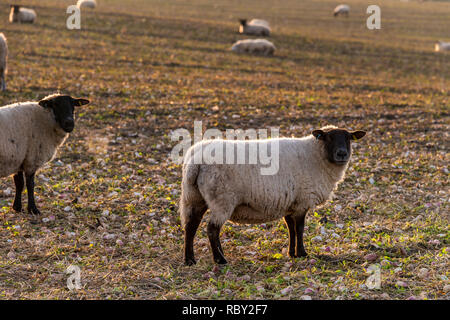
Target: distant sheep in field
{"x":254,"y":46}
{"x":21,"y":15}
{"x":259,"y":22}
{"x":3,"y":60}
{"x":309,"y":170}
{"x":442,"y":46}
{"x":30,"y":135}
{"x":255,"y":27}
{"x":342,"y":9}
{"x":87,"y":4}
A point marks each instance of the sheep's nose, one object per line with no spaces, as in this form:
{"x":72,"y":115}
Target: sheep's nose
{"x":341,"y":154}
{"x":68,"y":124}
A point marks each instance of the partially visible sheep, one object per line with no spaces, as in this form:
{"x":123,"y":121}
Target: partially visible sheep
{"x":3,"y":60}
{"x":21,"y":15}
{"x":256,"y":27}
{"x":87,"y":4}
{"x":30,"y":134}
{"x":309,"y":169}
{"x":442,"y":46}
{"x":342,"y":9}
{"x":254,"y":46}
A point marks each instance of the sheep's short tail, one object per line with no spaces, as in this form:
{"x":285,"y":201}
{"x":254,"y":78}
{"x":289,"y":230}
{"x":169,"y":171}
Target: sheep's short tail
{"x":190,"y":194}
{"x":190,"y":173}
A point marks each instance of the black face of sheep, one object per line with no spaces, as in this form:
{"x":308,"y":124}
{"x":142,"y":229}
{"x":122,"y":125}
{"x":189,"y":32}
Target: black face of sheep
{"x":243,"y":22}
{"x":16,"y":8}
{"x":63,"y":107}
{"x":337,"y":143}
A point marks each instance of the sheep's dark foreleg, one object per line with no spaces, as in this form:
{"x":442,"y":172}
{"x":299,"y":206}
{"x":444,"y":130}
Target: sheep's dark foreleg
{"x":189,"y":233}
{"x":213,"y":231}
{"x":299,"y":227}
{"x":18,"y":181}
{"x":30,"y":189}
{"x":290,"y":223}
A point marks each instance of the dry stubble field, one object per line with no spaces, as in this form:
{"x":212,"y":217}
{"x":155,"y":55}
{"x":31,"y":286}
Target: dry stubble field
{"x":110,"y":197}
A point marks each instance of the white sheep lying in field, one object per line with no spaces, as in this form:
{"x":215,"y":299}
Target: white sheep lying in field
{"x":342,"y":9}
{"x":254,"y":46}
{"x":87,"y":4}
{"x":255,"y":27}
{"x":30,"y":134}
{"x":310,"y":168}
{"x":442,"y":46}
{"x":3,"y":60}
{"x":21,"y":15}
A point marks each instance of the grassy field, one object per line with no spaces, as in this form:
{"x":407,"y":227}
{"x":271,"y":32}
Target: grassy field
{"x":110,"y":197}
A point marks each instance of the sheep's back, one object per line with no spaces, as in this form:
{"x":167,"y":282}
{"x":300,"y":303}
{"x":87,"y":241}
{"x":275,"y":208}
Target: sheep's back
{"x":259,"y":22}
{"x":87,"y":4}
{"x":27,"y":15}
{"x":253,"y":46}
{"x":342,"y":8}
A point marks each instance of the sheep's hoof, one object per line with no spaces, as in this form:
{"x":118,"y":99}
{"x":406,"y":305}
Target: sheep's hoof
{"x":189,"y":261}
{"x":34,"y":211}
{"x":221,"y":261}
{"x":17,"y":207}
{"x":301,"y":254}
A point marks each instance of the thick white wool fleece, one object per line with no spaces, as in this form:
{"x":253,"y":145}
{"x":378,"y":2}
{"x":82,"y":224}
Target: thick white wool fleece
{"x":29,"y":137}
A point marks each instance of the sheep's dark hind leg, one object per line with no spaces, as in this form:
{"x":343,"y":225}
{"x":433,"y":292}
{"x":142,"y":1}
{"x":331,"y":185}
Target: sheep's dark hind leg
{"x":290,"y":223}
{"x":299,"y":227}
{"x":18,"y":181}
{"x":3,"y":81}
{"x":189,"y":234}
{"x":213,"y":231}
{"x":30,"y":189}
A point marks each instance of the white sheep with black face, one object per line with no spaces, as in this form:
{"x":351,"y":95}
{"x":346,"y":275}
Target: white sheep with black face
{"x":3,"y":61}
{"x":22,"y":15}
{"x":442,"y":46}
{"x":30,"y":135}
{"x":255,"y":27}
{"x":309,"y":169}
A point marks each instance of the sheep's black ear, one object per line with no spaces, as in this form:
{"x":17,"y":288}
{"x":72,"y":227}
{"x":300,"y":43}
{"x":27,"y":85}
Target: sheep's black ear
{"x":45,"y":103}
{"x":80,"y":102}
{"x":356,"y":135}
{"x":319,"y":134}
